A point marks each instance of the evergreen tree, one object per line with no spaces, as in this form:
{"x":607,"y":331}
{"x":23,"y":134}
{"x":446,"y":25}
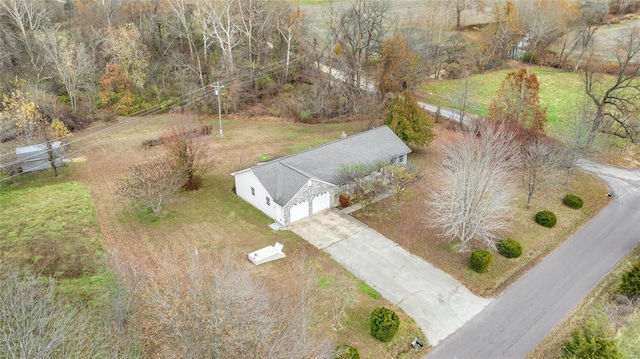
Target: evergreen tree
{"x":408,"y":120}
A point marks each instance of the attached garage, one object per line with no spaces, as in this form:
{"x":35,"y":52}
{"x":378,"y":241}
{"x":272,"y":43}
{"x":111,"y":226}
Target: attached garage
{"x":299,"y":211}
{"x":320,"y":202}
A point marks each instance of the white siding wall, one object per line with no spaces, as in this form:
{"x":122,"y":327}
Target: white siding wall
{"x":244,"y":182}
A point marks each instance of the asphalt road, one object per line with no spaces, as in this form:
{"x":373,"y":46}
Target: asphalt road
{"x":513,"y":324}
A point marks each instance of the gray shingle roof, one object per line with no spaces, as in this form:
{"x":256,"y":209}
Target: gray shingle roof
{"x":284,"y":177}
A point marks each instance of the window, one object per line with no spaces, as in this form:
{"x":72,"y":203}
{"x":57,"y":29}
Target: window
{"x":268,"y":201}
{"x":253,"y":191}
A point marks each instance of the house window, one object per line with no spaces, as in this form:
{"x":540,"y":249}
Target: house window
{"x":268,"y":201}
{"x":253,"y":191}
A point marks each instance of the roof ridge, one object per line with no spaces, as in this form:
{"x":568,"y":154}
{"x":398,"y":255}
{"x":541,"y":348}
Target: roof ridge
{"x":279,"y":160}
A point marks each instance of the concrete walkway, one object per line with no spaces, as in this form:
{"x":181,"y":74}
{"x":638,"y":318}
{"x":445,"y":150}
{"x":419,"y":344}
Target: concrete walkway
{"x":438,"y":303}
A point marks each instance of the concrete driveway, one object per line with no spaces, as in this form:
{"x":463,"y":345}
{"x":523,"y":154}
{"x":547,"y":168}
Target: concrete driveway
{"x":438,"y":303}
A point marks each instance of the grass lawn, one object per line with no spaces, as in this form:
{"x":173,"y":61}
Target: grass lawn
{"x":559,"y":92}
{"x":406,"y":225}
{"x":52,"y":230}
{"x":214,"y":219}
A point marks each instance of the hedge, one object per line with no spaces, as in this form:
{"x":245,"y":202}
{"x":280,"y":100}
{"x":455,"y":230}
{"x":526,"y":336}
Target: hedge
{"x":573,"y":201}
{"x":509,"y":248}
{"x":546,"y":219}
{"x":384,"y":324}
{"x":480,"y":260}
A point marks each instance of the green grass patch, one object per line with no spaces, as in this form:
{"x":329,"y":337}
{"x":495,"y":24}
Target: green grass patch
{"x":52,"y":230}
{"x":560,"y":92}
{"x":364,"y":288}
{"x":630,"y":338}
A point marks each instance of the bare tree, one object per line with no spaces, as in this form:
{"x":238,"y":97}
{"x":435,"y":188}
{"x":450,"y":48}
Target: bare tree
{"x":472,"y":200}
{"x":218,"y":22}
{"x":287,"y":26}
{"x":575,"y":141}
{"x":213,"y":308}
{"x":458,"y":6}
{"x":181,"y":10}
{"x":539,"y":164}
{"x":461,"y":97}
{"x":152,"y":183}
{"x":358,"y":30}
{"x":72,"y":62}
{"x":617,"y":100}
{"x":27,"y":17}
{"x":343,"y":296}
{"x":206,"y":310}
{"x":544,"y":21}
{"x":35,"y":322}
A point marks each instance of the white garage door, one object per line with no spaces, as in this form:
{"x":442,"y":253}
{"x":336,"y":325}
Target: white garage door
{"x":299,"y":211}
{"x":320,"y":202}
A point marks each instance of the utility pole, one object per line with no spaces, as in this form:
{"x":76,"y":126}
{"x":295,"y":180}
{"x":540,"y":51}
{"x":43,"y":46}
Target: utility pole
{"x":217,"y":89}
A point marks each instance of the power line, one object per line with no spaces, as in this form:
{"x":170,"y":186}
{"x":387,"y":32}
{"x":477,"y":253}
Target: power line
{"x":187,"y":99}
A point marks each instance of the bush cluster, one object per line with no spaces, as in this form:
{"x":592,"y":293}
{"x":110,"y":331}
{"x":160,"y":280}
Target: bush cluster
{"x":346,"y":351}
{"x":573,"y":201}
{"x":480,"y":260}
{"x":591,"y":341}
{"x":509,"y":248}
{"x":546,"y":218}
{"x":384,"y":324}
{"x":630,"y":284}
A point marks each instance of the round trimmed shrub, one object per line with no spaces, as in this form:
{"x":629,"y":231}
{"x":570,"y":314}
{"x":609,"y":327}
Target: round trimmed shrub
{"x":384,"y":323}
{"x":509,"y":248}
{"x":573,"y":201}
{"x":480,"y":260}
{"x":630,"y":284}
{"x":546,"y":218}
{"x":346,"y":351}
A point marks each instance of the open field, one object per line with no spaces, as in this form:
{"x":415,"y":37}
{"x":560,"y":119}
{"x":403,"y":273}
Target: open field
{"x":560,"y":92}
{"x":215,"y":220}
{"x":49,"y":226}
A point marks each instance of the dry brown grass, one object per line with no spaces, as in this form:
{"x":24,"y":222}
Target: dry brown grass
{"x":408,"y":228}
{"x":214,"y":219}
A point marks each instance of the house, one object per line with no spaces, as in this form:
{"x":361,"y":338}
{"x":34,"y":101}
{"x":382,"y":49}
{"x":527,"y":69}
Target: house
{"x":36,"y":157}
{"x":297,"y":186}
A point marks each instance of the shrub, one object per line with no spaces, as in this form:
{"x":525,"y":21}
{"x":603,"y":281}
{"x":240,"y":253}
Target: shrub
{"x":630,"y":284}
{"x":573,"y":201}
{"x":346,"y":351}
{"x":546,"y":218}
{"x":345,"y":200}
{"x":509,"y":248}
{"x":591,"y":341}
{"x":480,"y":260}
{"x":384,"y":324}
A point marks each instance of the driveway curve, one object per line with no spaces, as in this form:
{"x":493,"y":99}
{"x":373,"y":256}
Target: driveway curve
{"x":515,"y":322}
{"x":437,"y":302}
